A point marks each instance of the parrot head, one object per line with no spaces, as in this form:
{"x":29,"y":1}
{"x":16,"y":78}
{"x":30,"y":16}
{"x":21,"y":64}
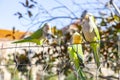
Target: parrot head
{"x":47,"y":28}
{"x":86,"y":16}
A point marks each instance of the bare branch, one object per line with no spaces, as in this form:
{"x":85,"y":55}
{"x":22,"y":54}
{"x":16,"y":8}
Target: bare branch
{"x":53,"y":18}
{"x":57,"y":7}
{"x":66,"y":8}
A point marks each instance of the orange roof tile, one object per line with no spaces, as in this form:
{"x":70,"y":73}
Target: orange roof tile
{"x":9,"y":35}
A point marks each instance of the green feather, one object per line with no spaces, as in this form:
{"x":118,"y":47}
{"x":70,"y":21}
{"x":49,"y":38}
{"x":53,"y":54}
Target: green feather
{"x":37,"y":34}
{"x":95,"y":47}
{"x":92,"y":23}
{"x":76,"y":55}
{"x":34,"y":37}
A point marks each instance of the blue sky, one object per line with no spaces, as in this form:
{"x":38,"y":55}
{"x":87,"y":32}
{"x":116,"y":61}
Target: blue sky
{"x":7,"y":18}
{"x":9,"y":7}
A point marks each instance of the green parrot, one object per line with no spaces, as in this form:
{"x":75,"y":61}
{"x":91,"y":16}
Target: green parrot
{"x":76,"y":55}
{"x":35,"y":37}
{"x":91,"y":34}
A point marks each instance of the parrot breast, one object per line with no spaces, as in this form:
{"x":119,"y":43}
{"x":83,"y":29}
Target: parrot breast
{"x":88,"y":31}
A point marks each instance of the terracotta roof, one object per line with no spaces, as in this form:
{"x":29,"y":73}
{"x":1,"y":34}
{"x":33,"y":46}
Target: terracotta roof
{"x":9,"y":35}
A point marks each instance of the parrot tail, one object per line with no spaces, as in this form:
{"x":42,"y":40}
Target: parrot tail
{"x":95,"y":47}
{"x":76,"y":55}
{"x":80,"y":72}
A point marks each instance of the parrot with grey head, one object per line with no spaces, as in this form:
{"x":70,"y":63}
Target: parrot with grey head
{"x":35,"y":37}
{"x":91,"y":34}
{"x":76,"y":54}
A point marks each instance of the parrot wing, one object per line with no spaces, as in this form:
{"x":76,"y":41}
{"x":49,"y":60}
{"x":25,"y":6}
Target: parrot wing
{"x":95,"y":46}
{"x":37,"y":34}
{"x":34,"y":37}
{"x":96,"y":33}
{"x":95,"y":29}
{"x":37,"y":41}
{"x":78,"y":51}
{"x":76,"y":55}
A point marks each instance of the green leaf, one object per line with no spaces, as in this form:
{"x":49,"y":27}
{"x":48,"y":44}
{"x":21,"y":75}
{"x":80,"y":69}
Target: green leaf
{"x":103,"y":23}
{"x":116,"y":18}
{"x":37,"y":41}
{"x":76,"y":55}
